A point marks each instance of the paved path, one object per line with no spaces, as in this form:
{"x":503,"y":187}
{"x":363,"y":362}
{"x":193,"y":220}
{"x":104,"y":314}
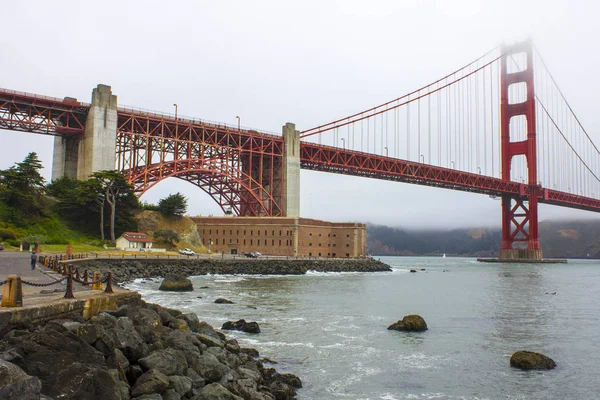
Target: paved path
{"x":14,"y":262}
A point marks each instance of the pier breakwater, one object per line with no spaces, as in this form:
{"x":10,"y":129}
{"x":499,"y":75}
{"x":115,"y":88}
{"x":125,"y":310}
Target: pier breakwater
{"x":125,"y":270}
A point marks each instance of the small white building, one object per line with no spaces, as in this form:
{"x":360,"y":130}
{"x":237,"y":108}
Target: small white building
{"x":134,"y":241}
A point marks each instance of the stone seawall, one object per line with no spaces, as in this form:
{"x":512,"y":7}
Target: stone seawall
{"x":124,"y":270}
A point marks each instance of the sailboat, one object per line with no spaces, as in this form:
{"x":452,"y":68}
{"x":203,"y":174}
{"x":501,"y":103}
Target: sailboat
{"x":444,"y":256}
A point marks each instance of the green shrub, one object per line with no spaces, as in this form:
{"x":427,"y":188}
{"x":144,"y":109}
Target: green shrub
{"x":6,"y":234}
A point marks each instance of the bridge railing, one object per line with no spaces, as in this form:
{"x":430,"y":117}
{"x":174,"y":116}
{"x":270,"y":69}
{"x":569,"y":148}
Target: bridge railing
{"x":39,"y":96}
{"x":186,"y":119}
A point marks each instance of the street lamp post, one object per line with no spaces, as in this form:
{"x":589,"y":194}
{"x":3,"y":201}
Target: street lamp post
{"x":343,"y":143}
{"x":452,"y":164}
{"x":238,"y":119}
{"x":175,"y":105}
{"x":386,"y":151}
{"x":422,"y":159}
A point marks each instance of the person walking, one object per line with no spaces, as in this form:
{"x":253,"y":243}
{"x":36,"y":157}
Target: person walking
{"x":33,"y":260}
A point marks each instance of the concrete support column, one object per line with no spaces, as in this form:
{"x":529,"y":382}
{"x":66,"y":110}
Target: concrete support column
{"x":65,"y":157}
{"x":98,"y":145}
{"x":291,"y":171}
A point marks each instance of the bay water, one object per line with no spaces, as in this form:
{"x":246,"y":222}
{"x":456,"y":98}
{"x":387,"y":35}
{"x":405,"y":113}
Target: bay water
{"x":330,"y":329}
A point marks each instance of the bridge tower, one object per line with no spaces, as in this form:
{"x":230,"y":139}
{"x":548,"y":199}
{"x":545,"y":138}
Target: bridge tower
{"x":78,"y":157}
{"x":519,"y":213}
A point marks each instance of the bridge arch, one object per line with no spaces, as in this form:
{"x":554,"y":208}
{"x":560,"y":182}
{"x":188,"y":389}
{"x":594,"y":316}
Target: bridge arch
{"x":230,"y":187}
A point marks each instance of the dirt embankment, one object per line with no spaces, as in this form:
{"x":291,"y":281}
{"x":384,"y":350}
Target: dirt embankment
{"x":150,"y":221}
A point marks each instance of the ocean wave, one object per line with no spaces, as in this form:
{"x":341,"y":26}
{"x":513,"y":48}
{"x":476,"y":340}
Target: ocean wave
{"x":421,"y":361}
{"x":255,"y":342}
{"x":321,"y":273}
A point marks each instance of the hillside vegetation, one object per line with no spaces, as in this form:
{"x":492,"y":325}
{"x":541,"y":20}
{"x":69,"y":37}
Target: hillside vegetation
{"x":565,"y":239}
{"x":88,"y":214}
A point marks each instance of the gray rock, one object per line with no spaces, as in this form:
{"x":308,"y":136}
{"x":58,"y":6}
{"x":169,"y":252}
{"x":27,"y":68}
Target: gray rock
{"x":189,"y":346}
{"x":223,"y":301}
{"x":246,"y":373}
{"x":179,"y":325}
{"x":83,"y":382}
{"x":527,"y":360}
{"x":151,"y":396}
{"x":169,"y":362}
{"x":176,"y":283}
{"x":233,"y":346}
{"x":129,"y":341}
{"x":205,"y":329}
{"x":71,"y":326}
{"x":123,"y":390}
{"x":214,"y":391}
{"x":53,"y":349}
{"x":209,"y":341}
{"x":198,"y":382}
{"x":151,"y":382}
{"x":181,"y":384}
{"x":210,"y":368}
{"x":192,"y":320}
{"x":16,"y":384}
{"x":242,"y":325}
{"x":146,"y":322}
{"x":410,"y":323}
{"x":171,"y":395}
{"x":117,"y":361}
{"x":225,"y":357}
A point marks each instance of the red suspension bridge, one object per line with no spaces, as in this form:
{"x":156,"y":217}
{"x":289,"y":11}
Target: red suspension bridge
{"x":498,"y":126}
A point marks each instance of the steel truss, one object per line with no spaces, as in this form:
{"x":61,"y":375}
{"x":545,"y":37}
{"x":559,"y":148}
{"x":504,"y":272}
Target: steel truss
{"x":39,"y":114}
{"x":240,"y":169}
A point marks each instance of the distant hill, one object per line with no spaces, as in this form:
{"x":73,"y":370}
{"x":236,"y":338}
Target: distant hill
{"x":570,"y":239}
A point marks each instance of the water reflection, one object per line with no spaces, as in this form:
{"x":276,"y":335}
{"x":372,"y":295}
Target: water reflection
{"x":519,"y":305}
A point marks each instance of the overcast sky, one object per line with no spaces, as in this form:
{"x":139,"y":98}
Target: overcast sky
{"x":307,"y":62}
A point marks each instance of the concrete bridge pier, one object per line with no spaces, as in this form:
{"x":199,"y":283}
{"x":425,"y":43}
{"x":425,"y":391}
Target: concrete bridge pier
{"x":291,"y":170}
{"x":78,"y":157}
{"x":64,"y":159}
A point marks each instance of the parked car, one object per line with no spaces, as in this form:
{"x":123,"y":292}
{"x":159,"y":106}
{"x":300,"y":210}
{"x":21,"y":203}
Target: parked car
{"x":1,"y":246}
{"x":253,"y":254}
{"x":187,"y":252}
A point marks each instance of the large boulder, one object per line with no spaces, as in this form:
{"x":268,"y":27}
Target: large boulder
{"x":146,"y":322}
{"x":56,"y":356}
{"x":80,"y":381}
{"x":410,"y":323}
{"x":221,"y":300}
{"x":151,"y":382}
{"x":176,"y":283}
{"x":16,"y":384}
{"x":210,"y":368}
{"x":530,"y":360}
{"x":169,"y":362}
{"x":242,"y":325}
{"x":182,"y":385}
{"x":214,"y":391}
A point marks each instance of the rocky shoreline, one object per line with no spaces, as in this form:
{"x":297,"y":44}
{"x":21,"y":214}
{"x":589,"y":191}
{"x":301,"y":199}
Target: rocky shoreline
{"x":144,"y":351}
{"x":125,"y":270}
{"x":141,"y":351}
